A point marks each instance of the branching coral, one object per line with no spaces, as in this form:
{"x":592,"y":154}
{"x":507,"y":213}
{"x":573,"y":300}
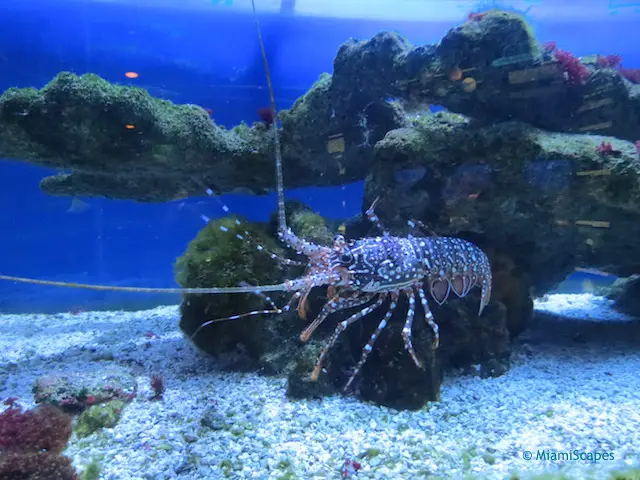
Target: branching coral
{"x":576,"y":71}
{"x":31,"y":442}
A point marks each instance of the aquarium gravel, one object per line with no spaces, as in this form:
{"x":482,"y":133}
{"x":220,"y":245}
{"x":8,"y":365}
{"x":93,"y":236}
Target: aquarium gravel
{"x":562,"y":393}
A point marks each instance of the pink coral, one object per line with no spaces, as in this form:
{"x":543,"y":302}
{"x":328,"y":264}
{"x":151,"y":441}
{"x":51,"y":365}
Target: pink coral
{"x":43,"y":428}
{"x":36,"y":466}
{"x":157,"y":385}
{"x":608,"y":61}
{"x":31,"y":442}
{"x":605,"y":148}
{"x":576,"y":71}
{"x":615,"y":62}
{"x":631,"y":74}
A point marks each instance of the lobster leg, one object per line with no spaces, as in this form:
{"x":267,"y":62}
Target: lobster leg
{"x":406,"y":330}
{"x":342,"y":326}
{"x":336,"y":303}
{"x":428,"y":316}
{"x":374,"y":336}
{"x":485,"y":284}
{"x":274,"y":310}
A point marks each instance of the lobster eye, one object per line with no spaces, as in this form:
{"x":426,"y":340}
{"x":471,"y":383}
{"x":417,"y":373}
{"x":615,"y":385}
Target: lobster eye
{"x":346,"y":257}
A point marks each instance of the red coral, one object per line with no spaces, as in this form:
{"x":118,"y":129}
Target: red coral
{"x":157,"y":385}
{"x":267,"y":115}
{"x":605,"y":149}
{"x":36,"y":466}
{"x":608,"y":61}
{"x":549,"y":47}
{"x":349,"y":468}
{"x":31,"y":441}
{"x":576,"y":71}
{"x":43,"y":428}
{"x":631,"y":74}
{"x":476,"y":16}
{"x":615,"y":62}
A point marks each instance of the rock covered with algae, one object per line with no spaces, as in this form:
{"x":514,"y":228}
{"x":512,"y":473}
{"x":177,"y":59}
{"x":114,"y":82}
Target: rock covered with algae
{"x":490,"y":68}
{"x":511,"y":168}
{"x":548,"y":201}
{"x":119,"y":142}
{"x":271,"y":342}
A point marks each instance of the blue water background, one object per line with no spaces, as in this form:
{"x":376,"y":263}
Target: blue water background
{"x":209,"y":59}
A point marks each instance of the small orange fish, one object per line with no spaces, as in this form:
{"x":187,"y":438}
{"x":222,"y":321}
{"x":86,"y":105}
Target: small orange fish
{"x":131,"y":74}
{"x":455,"y":74}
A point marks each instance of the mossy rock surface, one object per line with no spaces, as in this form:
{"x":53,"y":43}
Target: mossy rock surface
{"x":625,"y":292}
{"x":119,"y":142}
{"x":494,"y":35}
{"x":97,"y":417}
{"x":514,"y":191}
{"x":272,"y":344}
{"x":222,"y":259}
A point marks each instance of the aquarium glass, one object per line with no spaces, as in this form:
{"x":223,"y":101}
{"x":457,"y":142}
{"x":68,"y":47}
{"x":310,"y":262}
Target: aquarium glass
{"x":304,"y":239}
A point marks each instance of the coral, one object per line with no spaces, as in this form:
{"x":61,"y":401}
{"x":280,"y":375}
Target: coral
{"x":311,"y":226}
{"x":44,"y":428}
{"x":75,"y":391}
{"x":157,"y":386}
{"x":605,"y":148}
{"x":59,"y":125}
{"x":631,"y":74}
{"x":608,"y":61}
{"x":489,"y":36}
{"x":31,"y":442}
{"x":626,"y":294}
{"x":106,"y":415}
{"x":576,"y":72}
{"x":36,"y":466}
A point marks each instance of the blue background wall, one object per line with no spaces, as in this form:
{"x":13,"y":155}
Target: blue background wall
{"x":210,"y":59}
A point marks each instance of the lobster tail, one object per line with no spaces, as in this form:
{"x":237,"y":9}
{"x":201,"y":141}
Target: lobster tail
{"x":455,"y":265}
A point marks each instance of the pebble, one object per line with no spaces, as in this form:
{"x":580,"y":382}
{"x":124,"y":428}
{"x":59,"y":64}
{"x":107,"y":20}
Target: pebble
{"x":591,"y":409}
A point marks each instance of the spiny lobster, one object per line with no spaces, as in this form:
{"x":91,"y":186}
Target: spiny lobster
{"x":358,"y":273}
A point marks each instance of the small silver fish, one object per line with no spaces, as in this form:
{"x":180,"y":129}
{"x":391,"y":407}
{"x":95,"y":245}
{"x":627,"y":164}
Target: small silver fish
{"x":78,"y":206}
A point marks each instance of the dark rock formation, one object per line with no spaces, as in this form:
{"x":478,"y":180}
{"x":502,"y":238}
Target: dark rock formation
{"x":119,"y":142}
{"x":625,"y":292}
{"x":538,"y":202}
{"x":491,"y":69}
{"x":515,"y":190}
{"x":271,"y":342}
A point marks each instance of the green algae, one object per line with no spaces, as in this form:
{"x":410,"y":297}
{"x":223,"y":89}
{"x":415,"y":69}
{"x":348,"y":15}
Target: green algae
{"x":97,"y":417}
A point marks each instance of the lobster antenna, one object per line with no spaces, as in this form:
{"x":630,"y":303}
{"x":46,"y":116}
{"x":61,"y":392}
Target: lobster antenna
{"x":279,"y":287}
{"x":282,"y":221}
